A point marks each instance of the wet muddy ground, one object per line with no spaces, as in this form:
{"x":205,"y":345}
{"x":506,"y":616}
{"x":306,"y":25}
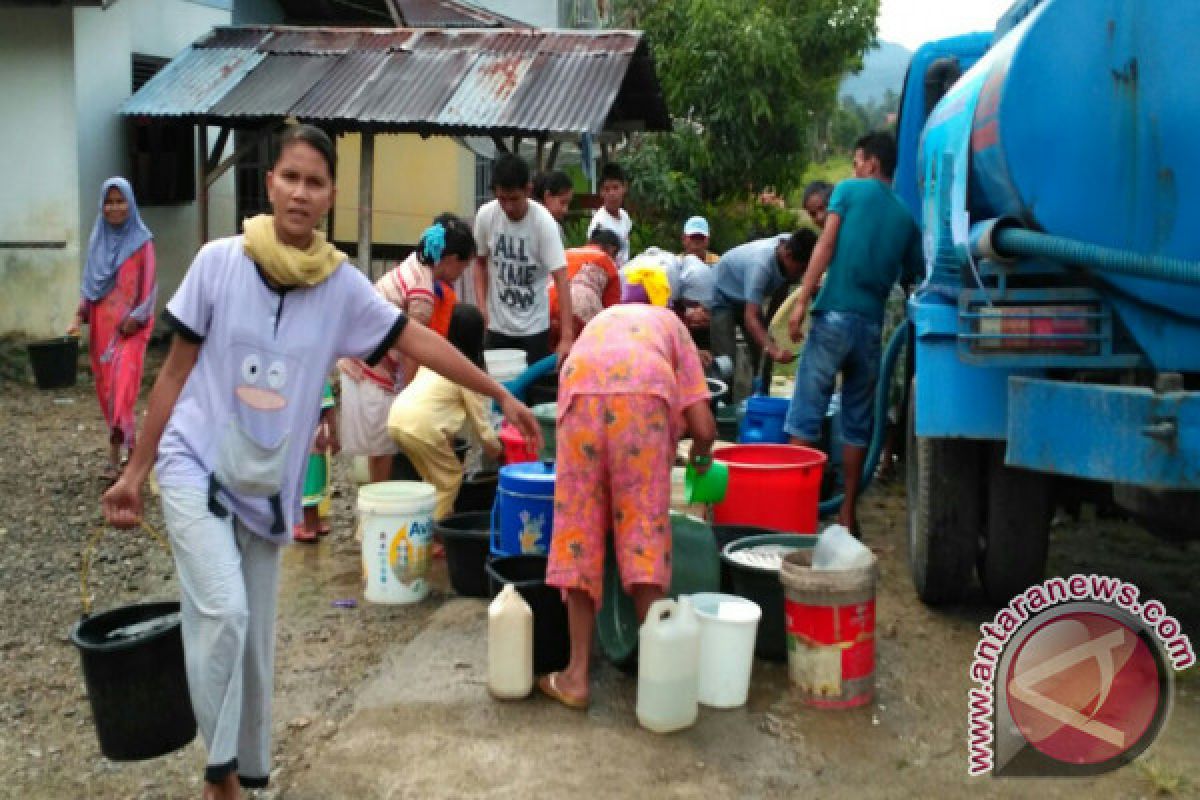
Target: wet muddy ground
{"x":389,"y":702}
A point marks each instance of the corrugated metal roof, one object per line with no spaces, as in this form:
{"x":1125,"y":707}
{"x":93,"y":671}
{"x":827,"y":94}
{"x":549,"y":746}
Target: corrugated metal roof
{"x":192,"y":82}
{"x":351,"y":76}
{"x":274,"y":87}
{"x":450,"y":81}
{"x":451,"y":14}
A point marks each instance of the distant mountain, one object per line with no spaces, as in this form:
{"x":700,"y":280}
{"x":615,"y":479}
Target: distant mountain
{"x":883,"y":69}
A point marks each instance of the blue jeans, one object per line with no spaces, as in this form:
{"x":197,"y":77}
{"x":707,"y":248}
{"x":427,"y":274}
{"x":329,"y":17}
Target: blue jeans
{"x":845,"y":342}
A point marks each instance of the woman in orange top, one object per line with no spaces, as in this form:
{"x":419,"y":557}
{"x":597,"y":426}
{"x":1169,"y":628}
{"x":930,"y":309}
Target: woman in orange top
{"x":595,"y":284}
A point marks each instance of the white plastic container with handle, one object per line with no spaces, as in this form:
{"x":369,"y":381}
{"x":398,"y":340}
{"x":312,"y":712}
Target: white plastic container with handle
{"x":510,"y":645}
{"x":668,"y":661}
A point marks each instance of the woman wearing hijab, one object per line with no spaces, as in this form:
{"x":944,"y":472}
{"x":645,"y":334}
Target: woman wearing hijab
{"x":259,"y":321}
{"x":118,"y":293}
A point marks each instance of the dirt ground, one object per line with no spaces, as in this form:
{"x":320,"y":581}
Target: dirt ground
{"x":389,"y":702}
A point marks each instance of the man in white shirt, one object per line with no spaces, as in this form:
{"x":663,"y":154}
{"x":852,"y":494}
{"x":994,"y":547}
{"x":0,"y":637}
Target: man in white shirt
{"x":518,"y":251}
{"x":610,"y":215}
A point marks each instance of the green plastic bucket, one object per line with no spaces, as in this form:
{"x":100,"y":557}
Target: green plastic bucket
{"x":695,"y":567}
{"x":547,"y":417}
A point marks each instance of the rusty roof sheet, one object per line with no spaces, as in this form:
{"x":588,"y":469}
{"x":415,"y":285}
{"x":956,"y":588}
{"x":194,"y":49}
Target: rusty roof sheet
{"x":451,"y":14}
{"x":351,"y":76}
{"x":274,"y":87}
{"x":192,"y":82}
{"x":451,"y":81}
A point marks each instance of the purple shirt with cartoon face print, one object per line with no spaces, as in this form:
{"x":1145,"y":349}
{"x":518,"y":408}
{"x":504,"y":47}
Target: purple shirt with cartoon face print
{"x":244,"y":421}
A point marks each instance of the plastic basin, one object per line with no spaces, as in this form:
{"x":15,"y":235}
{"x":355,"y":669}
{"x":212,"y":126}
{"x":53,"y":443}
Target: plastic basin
{"x":724,"y":534}
{"x":54,"y":361}
{"x":774,"y":486}
{"x":551,"y":641}
{"x":477,"y":493}
{"x":763,"y":587}
{"x":695,"y":567}
{"x":137,"y":684}
{"x":467,"y":539}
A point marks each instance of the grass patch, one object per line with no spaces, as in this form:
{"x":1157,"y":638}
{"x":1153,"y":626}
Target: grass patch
{"x":834,"y":169}
{"x":1166,"y":780}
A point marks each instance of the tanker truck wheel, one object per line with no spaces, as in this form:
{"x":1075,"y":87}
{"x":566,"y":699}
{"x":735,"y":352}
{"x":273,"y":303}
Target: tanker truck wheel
{"x":944,"y":512}
{"x":1017,"y":531}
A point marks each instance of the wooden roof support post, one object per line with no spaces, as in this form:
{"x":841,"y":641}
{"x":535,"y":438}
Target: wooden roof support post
{"x":541,"y":153}
{"x":202,"y":193}
{"x":553,"y":158}
{"x":366,"y":174}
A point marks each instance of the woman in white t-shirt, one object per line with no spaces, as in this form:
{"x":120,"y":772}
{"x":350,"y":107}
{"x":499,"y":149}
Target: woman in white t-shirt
{"x":259,"y":321}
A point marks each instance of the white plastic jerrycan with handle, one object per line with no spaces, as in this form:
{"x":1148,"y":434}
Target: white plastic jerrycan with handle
{"x":668,"y":661}
{"x":510,"y":645}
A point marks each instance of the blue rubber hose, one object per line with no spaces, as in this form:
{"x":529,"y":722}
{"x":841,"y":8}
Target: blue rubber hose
{"x":1018,"y":242}
{"x":532,"y":374}
{"x":891,"y":356}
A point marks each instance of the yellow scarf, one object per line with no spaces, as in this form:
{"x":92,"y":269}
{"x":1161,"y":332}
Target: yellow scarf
{"x":651,"y":277}
{"x":286,"y":265}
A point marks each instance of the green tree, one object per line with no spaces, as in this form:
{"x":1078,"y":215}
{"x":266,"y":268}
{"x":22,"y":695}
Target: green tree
{"x":746,"y":82}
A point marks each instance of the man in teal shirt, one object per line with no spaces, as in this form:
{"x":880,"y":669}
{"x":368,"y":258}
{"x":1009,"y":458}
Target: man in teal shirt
{"x":868,"y":243}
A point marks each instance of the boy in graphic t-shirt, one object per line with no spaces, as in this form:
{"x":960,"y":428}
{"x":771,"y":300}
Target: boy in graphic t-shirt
{"x":518,"y":252}
{"x":611,"y":215}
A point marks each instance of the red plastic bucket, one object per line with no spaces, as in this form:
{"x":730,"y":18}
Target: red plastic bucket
{"x":516,"y":449}
{"x":774,"y":486}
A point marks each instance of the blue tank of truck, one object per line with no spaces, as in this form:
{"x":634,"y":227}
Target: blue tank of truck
{"x":1084,"y":125}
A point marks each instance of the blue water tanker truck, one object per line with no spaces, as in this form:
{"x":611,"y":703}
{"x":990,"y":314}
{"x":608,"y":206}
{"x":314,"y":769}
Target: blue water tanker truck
{"x":1054,"y":167}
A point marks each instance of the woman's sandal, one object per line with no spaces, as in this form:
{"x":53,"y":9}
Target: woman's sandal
{"x":548,"y":684}
{"x":300,"y":533}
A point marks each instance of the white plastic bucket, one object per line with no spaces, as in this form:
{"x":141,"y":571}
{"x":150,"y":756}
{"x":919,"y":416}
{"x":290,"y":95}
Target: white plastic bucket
{"x":504,"y":365}
{"x":395,"y":519}
{"x":728,"y":625}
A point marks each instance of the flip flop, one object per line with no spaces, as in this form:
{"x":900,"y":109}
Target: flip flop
{"x":548,"y":685}
{"x":323,"y":527}
{"x":302,"y":534}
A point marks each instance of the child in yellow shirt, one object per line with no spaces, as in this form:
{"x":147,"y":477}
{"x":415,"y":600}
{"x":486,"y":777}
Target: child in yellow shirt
{"x":431,"y":411}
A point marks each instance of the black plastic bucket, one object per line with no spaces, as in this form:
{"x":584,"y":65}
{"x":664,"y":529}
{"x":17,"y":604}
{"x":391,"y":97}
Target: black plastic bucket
{"x":763,"y":587}
{"x":724,"y":534}
{"x":477,"y":493}
{"x":551,"y":642}
{"x":467,"y":539}
{"x":136,"y":683}
{"x":54,"y":361}
{"x":404,"y":470}
{"x":544,"y":390}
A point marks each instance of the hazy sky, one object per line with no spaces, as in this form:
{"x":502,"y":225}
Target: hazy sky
{"x":913,"y":22}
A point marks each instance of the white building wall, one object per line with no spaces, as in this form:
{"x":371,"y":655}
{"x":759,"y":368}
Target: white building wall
{"x":105,"y":41}
{"x":39,"y":204}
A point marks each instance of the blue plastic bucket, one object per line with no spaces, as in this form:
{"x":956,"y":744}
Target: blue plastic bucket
{"x":763,"y":422}
{"x":523,"y":515}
